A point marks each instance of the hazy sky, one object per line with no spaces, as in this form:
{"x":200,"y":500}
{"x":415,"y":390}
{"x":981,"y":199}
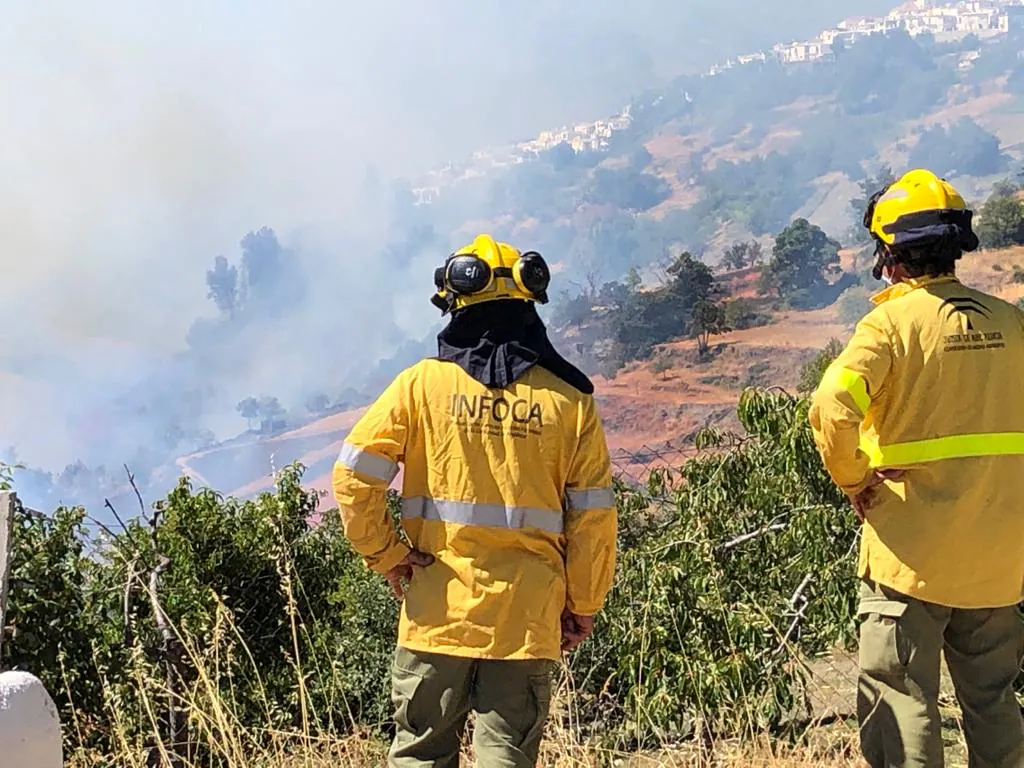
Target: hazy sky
{"x":140,"y":139}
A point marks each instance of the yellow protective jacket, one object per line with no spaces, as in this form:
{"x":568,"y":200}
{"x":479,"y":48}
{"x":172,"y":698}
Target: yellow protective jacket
{"x":933,"y":382}
{"x":510,"y":490}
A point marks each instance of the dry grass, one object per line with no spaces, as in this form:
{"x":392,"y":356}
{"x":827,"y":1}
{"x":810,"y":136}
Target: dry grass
{"x":561,"y":749}
{"x":215,"y":722}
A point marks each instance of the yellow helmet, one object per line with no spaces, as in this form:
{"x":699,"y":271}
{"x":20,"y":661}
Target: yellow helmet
{"x":918,"y":209}
{"x":486,"y":270}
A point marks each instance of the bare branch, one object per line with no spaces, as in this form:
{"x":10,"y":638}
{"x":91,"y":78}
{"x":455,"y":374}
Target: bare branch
{"x":108,"y":505}
{"x":171,"y":653}
{"x":733,"y":543}
{"x":138,"y":494}
{"x":797,"y":596}
{"x":129,"y":638}
{"x":800,"y":591}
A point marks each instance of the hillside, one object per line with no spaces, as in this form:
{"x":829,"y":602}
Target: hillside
{"x":701,"y":164}
{"x":708,"y":163}
{"x":650,"y":417}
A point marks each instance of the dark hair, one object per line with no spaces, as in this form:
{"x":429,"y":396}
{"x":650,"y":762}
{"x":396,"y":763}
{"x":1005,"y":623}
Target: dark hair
{"x":931,"y":260}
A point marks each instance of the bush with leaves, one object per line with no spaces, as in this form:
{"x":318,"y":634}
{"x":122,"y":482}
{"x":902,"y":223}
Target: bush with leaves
{"x":802,"y":257}
{"x":812,"y":372}
{"x":854,"y":303}
{"x":275,"y":621}
{"x":1001,"y":224}
{"x":729,"y":574}
{"x":723,"y":577}
{"x":744,"y":313}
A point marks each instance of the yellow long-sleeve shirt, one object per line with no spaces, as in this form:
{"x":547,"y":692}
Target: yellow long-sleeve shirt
{"x":932,"y":382}
{"x":510,"y":490}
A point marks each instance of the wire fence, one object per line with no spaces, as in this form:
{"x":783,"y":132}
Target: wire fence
{"x":634,"y":467}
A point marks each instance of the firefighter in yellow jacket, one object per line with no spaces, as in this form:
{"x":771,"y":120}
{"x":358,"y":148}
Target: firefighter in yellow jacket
{"x":920,"y":421}
{"x":507,"y":510}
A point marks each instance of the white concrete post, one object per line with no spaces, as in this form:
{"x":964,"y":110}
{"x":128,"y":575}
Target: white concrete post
{"x":29,"y":723}
{"x":30,"y":734}
{"x":7,"y":501}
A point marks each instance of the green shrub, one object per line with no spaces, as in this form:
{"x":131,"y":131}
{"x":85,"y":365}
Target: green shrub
{"x":702,"y":624}
{"x":812,"y":371}
{"x":727,"y":571}
{"x":277,"y":622}
{"x":853,"y":305}
{"x":742,"y":314}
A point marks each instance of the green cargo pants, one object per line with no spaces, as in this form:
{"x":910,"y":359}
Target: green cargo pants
{"x":434,"y":694}
{"x":901,"y":641}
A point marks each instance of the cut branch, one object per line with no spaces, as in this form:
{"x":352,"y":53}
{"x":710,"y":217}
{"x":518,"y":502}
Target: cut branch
{"x":129,"y":635}
{"x":796,"y":597}
{"x":750,"y":536}
{"x":171,"y":753}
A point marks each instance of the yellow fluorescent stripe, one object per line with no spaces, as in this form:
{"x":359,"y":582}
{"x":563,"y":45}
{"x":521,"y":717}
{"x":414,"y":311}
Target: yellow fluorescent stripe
{"x":852,"y":383}
{"x":937,"y":449}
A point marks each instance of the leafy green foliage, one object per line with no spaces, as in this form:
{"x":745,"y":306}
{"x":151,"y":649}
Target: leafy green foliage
{"x":813,"y":371}
{"x":891,"y":74}
{"x":727,"y":573}
{"x":707,"y":318}
{"x":714,"y":572}
{"x":743,"y":255}
{"x":648,"y":318}
{"x":874,"y":182}
{"x":1001,"y":224}
{"x":271,"y":613}
{"x":963,"y":148}
{"x":628,"y":189}
{"x":802,"y":256}
{"x":744,"y":313}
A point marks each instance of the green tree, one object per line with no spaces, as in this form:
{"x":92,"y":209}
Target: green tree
{"x":661,"y":366}
{"x":802,"y":256}
{"x":755,"y":253}
{"x":872,"y":183}
{"x":963,"y":148}
{"x":271,"y":409}
{"x":743,"y":255}
{"x":707,"y":318}
{"x":249,"y":409}
{"x":690,"y":279}
{"x":222,"y":282}
{"x":649,"y":318}
{"x":736,"y":256}
{"x":1001,"y":224}
{"x":744,"y":313}
{"x":318,"y":403}
{"x":572,"y":311}
{"x":633,"y":280}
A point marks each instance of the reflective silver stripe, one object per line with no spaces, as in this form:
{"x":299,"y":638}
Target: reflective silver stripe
{"x":595,"y":498}
{"x":489,"y":515}
{"x":358,"y":460}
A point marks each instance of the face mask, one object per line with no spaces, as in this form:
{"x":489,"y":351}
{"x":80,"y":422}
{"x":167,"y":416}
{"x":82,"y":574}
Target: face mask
{"x":887,"y":279}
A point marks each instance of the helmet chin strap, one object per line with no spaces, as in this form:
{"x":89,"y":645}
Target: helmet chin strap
{"x":883,"y":259}
{"x":442,"y":303}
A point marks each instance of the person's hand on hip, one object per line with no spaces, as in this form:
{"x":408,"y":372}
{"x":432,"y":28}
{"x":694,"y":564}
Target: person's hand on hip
{"x":401,"y":574}
{"x":575,"y":629}
{"x":864,"y":500}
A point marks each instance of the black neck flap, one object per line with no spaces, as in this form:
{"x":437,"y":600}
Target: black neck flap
{"x":497,"y":342}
